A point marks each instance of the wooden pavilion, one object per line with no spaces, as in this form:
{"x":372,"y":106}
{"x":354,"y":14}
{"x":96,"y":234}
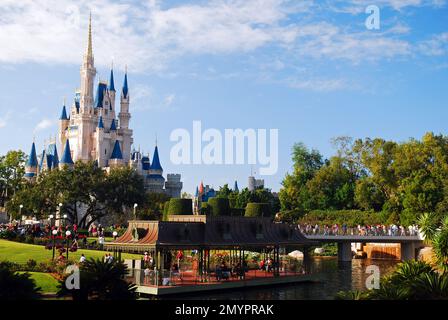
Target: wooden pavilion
{"x":202,"y":234}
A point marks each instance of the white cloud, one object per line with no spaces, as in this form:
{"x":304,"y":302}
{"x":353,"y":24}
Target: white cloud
{"x":319,"y":85}
{"x":359,"y":6}
{"x":44,"y":124}
{"x":437,"y":45}
{"x":328,"y":41}
{"x":147,"y":36}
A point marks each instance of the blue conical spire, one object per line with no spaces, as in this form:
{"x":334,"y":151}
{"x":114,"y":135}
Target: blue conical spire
{"x":53,"y":153}
{"x":63,"y":114}
{"x":235,"y":187}
{"x":116,"y":153}
{"x":125,"y":85}
{"x":155,"y":160}
{"x":66,"y":155}
{"x":32,"y":159}
{"x":196,"y":194}
{"x":100,"y":123}
{"x":113,"y":126}
{"x":111,"y":81}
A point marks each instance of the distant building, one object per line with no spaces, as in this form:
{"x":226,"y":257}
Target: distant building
{"x":253,"y":184}
{"x":202,"y":194}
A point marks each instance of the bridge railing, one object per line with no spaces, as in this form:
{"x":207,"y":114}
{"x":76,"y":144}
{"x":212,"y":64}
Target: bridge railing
{"x":362,"y":231}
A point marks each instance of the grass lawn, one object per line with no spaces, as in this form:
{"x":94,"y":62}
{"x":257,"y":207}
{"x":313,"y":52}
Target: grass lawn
{"x":22,"y":252}
{"x":45,"y":281}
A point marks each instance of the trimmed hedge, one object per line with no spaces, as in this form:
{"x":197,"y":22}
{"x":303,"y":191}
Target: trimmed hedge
{"x":166,"y":207}
{"x":351,"y":218}
{"x":180,"y":207}
{"x":219,"y":206}
{"x":258,"y":210}
{"x":205,"y":208}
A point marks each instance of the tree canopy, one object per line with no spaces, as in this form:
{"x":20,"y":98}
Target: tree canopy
{"x":401,"y":178}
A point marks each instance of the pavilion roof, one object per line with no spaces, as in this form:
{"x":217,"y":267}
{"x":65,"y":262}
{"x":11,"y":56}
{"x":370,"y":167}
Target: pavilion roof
{"x":183,"y":232}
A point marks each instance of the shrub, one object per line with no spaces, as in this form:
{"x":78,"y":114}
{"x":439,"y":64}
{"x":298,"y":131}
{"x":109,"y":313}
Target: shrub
{"x":205,"y":208}
{"x":180,"y":207}
{"x":258,"y":210}
{"x":31,"y":265}
{"x":219,"y":206}
{"x":16,"y":286}
{"x":351,"y":218}
{"x":7,"y":235}
{"x":166,"y":208}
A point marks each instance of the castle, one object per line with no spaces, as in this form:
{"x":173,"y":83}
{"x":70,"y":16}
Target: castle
{"x":90,"y":131}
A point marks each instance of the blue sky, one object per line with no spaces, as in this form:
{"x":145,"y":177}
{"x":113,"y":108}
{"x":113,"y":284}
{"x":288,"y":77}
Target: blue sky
{"x":308,"y":68}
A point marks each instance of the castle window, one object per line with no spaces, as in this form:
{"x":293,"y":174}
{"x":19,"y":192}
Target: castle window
{"x":105,"y":151}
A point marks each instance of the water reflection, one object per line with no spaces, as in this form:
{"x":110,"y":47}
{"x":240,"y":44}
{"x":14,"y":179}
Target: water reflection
{"x":332,"y":277}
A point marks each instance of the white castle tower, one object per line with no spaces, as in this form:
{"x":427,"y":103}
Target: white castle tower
{"x":92,"y":132}
{"x":92,"y":128}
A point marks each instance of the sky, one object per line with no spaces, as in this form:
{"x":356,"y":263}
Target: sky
{"x":311,"y":69}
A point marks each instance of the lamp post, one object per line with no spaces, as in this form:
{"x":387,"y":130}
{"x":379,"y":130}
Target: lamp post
{"x":51,"y":217}
{"x":53,"y":234}
{"x":20,"y":211}
{"x":135,"y":208}
{"x":67,"y":236}
{"x":115,"y":234}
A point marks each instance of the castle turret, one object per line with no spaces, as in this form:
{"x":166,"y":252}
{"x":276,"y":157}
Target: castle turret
{"x":235,"y":187}
{"x":124,"y":114}
{"x":101,"y":157}
{"x":116,"y":159}
{"x":156,"y":167}
{"x":64,"y":122}
{"x":88,"y":73}
{"x":31,"y":164}
{"x":111,"y":90}
{"x":66,"y":159}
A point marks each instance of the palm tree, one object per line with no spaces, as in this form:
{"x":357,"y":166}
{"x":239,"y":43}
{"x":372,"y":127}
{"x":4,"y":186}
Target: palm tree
{"x":431,"y":286}
{"x":16,"y":286}
{"x":411,"y":280}
{"x":436,"y":234}
{"x":101,"y":280}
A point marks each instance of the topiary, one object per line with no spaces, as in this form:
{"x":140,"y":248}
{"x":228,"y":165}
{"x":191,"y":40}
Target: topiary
{"x":219,"y":207}
{"x":180,"y":207}
{"x":166,"y":207}
{"x":258,"y":210}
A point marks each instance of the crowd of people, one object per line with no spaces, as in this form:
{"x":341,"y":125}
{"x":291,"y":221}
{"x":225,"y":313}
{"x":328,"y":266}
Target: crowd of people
{"x":368,"y":230}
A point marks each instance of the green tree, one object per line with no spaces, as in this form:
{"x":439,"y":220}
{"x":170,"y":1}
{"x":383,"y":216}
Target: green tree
{"x":294,"y":194}
{"x":12,"y":169}
{"x":16,"y":286}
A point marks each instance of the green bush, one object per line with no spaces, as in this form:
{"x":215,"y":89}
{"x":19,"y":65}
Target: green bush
{"x":180,"y":207}
{"x":351,"y":218}
{"x":219,"y":207}
{"x":166,"y":208}
{"x":205,"y":208}
{"x":258,"y":210}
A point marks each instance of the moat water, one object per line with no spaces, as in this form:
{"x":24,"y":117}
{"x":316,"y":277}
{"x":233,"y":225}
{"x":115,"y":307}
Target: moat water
{"x":331,"y":277}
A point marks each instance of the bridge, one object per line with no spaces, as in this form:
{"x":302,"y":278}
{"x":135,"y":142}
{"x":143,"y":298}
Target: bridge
{"x":408,"y":243}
